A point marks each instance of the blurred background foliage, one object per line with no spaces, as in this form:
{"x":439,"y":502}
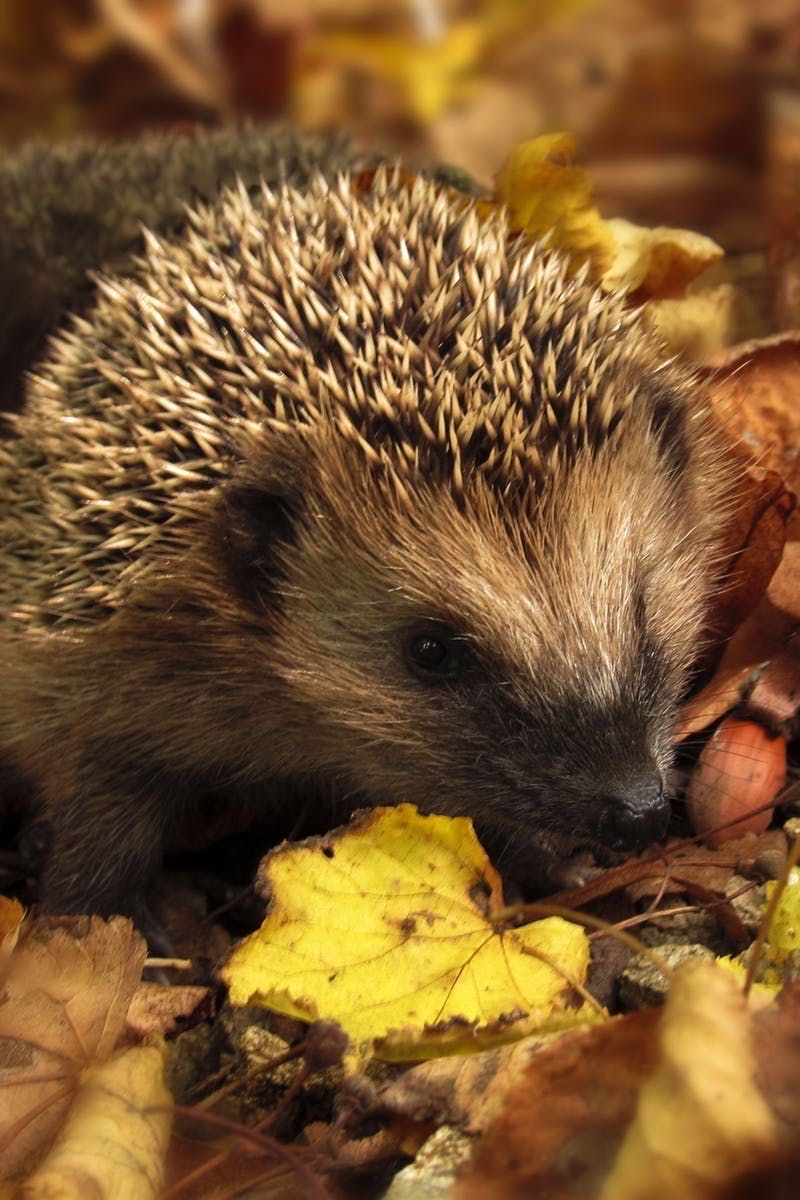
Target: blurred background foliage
{"x":684,"y":110}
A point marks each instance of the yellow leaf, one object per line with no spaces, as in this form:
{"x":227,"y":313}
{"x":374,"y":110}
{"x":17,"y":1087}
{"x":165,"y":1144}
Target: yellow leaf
{"x":696,"y":325}
{"x":656,"y":263}
{"x":783,"y":940}
{"x":384,"y":927}
{"x":701,"y":1119}
{"x":548,"y":197}
{"x":428,"y":72}
{"x":784,"y":933}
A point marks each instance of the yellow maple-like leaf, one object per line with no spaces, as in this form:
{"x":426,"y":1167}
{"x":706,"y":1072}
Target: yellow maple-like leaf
{"x":782,"y":942}
{"x":698,"y":324}
{"x":700,"y":1119}
{"x":784,"y":932}
{"x":656,"y":263}
{"x":384,"y":927}
{"x":549,"y":197}
{"x":428,"y":73}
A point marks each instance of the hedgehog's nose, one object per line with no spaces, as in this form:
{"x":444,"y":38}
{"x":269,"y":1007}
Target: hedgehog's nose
{"x":635,"y":816}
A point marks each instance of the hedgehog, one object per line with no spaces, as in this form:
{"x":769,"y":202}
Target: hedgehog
{"x":74,"y":207}
{"x":345,"y":495}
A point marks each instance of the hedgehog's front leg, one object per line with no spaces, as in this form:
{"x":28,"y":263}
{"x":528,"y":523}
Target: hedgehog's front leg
{"x":106,"y":837}
{"x":79,"y":721}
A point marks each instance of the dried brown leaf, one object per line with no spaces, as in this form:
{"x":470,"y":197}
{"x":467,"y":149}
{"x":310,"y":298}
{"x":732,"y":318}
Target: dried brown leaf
{"x":755,"y":536}
{"x":761,"y":662}
{"x":65,"y":995}
{"x":11,"y":914}
{"x":756,"y":385}
{"x":162,"y":1008}
{"x":694,"y":1102}
{"x":701,"y":1119}
{"x":563,"y":1121}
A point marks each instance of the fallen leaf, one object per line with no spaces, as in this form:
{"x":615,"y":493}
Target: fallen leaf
{"x":761,"y":662}
{"x":563,"y":1120}
{"x":11,"y":914}
{"x":723,"y":692}
{"x":754,"y":391}
{"x":691,"y":1101}
{"x":784,"y":933}
{"x":429,"y":74}
{"x":385,"y":927}
{"x":752,"y":548}
{"x":65,"y":995}
{"x":114,"y":1140}
{"x":550,"y":198}
{"x":776,"y":1030}
{"x":688,"y":869}
{"x":756,"y":385}
{"x":782,"y":939}
{"x":656,"y":263}
{"x":701,"y":1119}
{"x":165,"y":1008}
{"x":698,"y":324}
{"x":666,"y":871}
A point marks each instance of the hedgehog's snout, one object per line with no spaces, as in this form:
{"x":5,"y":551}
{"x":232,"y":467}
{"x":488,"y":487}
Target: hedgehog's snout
{"x":635,"y":816}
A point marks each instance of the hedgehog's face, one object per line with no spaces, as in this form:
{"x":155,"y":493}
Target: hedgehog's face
{"x":521,"y":669}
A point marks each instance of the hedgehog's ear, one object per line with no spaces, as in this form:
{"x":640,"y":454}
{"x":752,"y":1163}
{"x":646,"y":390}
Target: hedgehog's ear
{"x":257,"y":522}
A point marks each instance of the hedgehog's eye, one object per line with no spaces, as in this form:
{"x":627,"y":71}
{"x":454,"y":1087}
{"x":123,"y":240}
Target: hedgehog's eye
{"x":429,"y":652}
{"x":434,"y":653}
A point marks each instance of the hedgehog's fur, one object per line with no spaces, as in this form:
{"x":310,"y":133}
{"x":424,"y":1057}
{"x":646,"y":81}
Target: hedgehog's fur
{"x":315,"y":427}
{"x":78,"y":206}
